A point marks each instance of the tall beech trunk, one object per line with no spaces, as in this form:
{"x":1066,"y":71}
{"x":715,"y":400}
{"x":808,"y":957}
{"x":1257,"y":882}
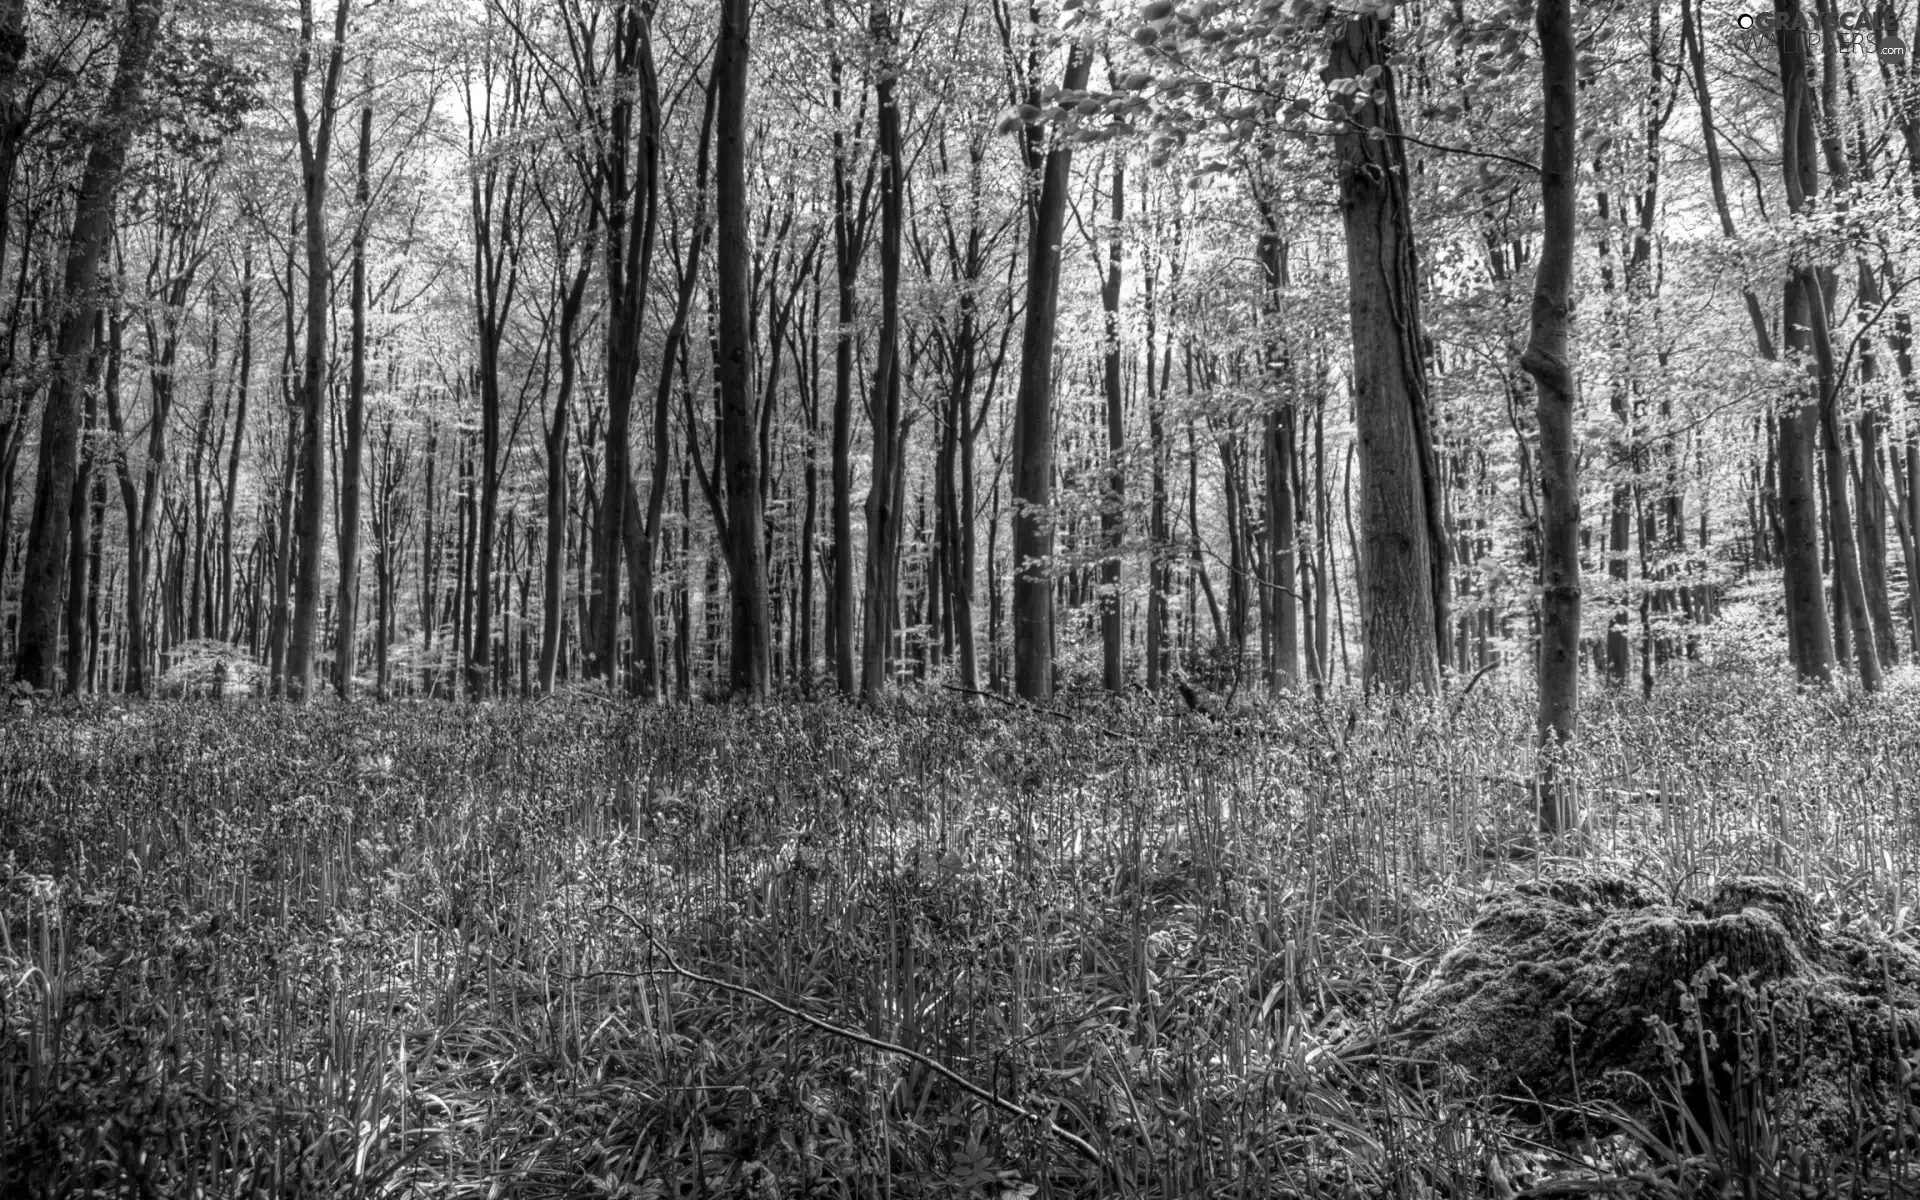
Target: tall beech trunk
{"x":885,"y":475}
{"x":554,"y":564}
{"x":1548,"y":358}
{"x":43,"y":580}
{"x":80,"y":566}
{"x":850,"y":225}
{"x":1159,"y":522}
{"x":316,"y":148}
{"x":1033,"y":408}
{"x":347,"y":604}
{"x":1809,"y":635}
{"x":651,"y":685}
{"x":228,"y":498}
{"x":1807,"y":292}
{"x":1403,"y":562}
{"x":1113,"y":528}
{"x":629,"y":179}
{"x":749,"y":663}
{"x":1278,"y":453}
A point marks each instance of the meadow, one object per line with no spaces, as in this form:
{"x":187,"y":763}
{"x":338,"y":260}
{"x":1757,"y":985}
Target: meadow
{"x":956,"y":949}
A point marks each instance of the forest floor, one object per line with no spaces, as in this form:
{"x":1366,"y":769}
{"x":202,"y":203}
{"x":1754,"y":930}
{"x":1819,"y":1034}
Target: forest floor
{"x":954,"y":950}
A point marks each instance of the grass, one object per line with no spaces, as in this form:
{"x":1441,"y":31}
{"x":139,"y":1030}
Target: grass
{"x":579,"y":949}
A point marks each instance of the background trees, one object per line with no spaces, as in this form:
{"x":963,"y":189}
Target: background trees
{"x":1166,"y":345}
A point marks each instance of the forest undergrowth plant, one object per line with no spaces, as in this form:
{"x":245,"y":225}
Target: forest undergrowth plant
{"x":1181,"y":945}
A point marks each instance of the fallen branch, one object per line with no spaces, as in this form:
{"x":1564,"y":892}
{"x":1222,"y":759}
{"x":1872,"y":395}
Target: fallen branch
{"x":966,"y":1085}
{"x":1461,"y":701}
{"x":1029,"y":706}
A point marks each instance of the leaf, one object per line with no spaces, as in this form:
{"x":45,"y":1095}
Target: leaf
{"x":1137,"y":81}
{"x":1156,"y":10}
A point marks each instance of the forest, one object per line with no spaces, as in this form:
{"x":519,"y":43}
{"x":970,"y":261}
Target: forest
{"x":959,"y":598}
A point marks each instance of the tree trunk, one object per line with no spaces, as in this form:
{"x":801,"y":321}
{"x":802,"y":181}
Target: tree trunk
{"x":242,"y":378}
{"x":1278,"y":454}
{"x":749,"y":663}
{"x":43,"y":580}
{"x":80,"y":566}
{"x":348,"y":603}
{"x":553,"y":567}
{"x":1548,"y":358}
{"x":1404,"y":554}
{"x":1113,"y":524}
{"x":883,"y":515}
{"x":316,"y":146}
{"x":1033,"y":411}
{"x":1807,"y":300}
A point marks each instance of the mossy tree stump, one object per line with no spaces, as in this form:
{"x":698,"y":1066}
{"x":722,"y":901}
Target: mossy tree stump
{"x":1586,"y":985}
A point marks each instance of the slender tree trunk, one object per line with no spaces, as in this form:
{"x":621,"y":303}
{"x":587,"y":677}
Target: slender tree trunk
{"x":849,"y":236}
{"x":242,"y":380}
{"x":553,"y":568}
{"x":749,"y":660}
{"x":1113,"y":525}
{"x":883,"y":515}
{"x":1548,"y":358}
{"x":1278,"y":454}
{"x":316,"y":145}
{"x":42,"y":585}
{"x":348,"y":603}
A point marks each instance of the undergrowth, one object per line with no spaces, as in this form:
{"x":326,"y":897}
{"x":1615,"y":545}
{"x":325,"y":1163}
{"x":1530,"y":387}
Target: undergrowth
{"x":952,"y":950}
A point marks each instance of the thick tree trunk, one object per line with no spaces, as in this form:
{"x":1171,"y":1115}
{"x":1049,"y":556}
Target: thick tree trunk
{"x":1548,"y":358}
{"x":1033,"y":414}
{"x":749,"y":666}
{"x":42,"y":584}
{"x":1404,"y":574}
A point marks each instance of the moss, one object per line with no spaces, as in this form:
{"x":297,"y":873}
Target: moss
{"x":1566,"y":979}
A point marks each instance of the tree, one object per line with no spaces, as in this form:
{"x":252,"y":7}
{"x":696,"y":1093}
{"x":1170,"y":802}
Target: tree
{"x":1032,"y":467}
{"x":315,"y":132}
{"x":750,"y":658}
{"x":44,"y":577}
{"x":1403,"y":551}
{"x":1113,"y":529}
{"x":1548,"y":358}
{"x":889,"y":431}
{"x":347,"y":605}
